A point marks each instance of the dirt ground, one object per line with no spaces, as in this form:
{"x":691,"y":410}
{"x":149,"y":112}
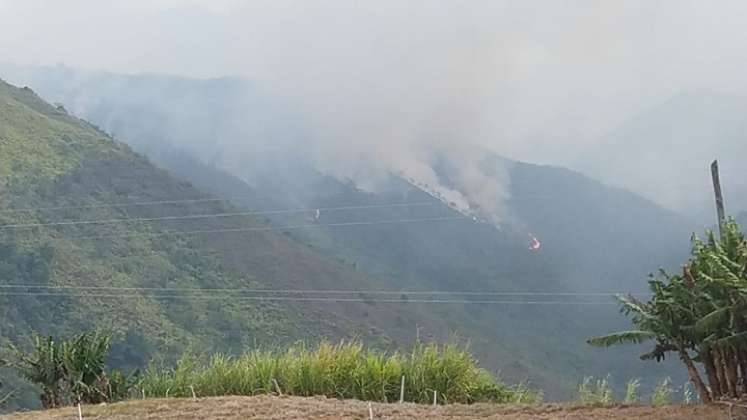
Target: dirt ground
{"x":290,"y":408}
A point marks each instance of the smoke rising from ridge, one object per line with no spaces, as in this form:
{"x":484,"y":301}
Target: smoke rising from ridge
{"x":392,"y":86}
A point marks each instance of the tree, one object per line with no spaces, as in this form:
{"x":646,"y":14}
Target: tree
{"x":701,"y":315}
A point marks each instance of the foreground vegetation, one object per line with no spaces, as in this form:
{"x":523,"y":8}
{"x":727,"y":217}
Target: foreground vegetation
{"x":699,"y":315}
{"x":73,"y":371}
{"x":70,"y":371}
{"x":345,"y":370}
{"x":598,"y":391}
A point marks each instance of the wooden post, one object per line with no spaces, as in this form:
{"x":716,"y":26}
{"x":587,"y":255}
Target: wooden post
{"x":80,"y":412}
{"x":277,"y":387}
{"x":719,"y":197}
{"x":402,"y":390}
{"x":194,"y":396}
{"x":370,"y":411}
{"x":143,"y":393}
{"x":435,"y":398}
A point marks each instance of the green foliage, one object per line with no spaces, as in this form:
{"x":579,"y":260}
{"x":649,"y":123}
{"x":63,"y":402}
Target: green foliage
{"x":4,"y":396}
{"x":701,"y":315}
{"x":595,"y":391}
{"x":50,"y":161}
{"x":344,"y":370}
{"x":622,"y":337}
{"x":631,"y":391}
{"x":687,"y":393}
{"x":662,"y":393}
{"x":71,"y":371}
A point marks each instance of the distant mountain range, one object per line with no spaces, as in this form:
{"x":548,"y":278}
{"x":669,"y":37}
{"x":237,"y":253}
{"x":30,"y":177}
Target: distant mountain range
{"x":595,"y":239}
{"x":666,"y":151}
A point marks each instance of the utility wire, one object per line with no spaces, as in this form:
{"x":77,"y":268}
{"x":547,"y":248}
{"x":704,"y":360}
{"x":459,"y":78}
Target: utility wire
{"x":313,"y":291}
{"x":308,"y":299}
{"x":267,"y":228}
{"x":205,"y":200}
{"x":121,"y":204}
{"x":213,"y":215}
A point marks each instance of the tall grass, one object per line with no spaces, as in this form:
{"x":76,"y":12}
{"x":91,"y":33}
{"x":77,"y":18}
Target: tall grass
{"x":598,"y":391}
{"x":631,"y":391}
{"x":344,"y":370}
{"x":662,"y":393}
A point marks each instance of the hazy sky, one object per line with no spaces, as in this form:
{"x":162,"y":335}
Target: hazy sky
{"x":576,"y":65}
{"x":536,"y":80}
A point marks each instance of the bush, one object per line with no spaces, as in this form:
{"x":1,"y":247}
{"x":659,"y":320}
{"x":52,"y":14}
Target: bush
{"x":71,"y":371}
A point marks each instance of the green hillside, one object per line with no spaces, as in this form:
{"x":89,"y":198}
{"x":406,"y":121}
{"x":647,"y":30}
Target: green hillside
{"x":57,"y":169}
{"x":620,"y":239}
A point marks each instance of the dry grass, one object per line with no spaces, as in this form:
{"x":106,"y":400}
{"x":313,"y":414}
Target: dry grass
{"x":289,"y":408}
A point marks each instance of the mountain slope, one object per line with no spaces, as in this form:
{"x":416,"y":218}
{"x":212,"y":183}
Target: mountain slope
{"x":611,"y":248}
{"x":595,"y":239}
{"x":63,"y":270}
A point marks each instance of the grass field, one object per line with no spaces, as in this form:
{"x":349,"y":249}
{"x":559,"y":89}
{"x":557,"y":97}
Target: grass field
{"x":266,"y":407}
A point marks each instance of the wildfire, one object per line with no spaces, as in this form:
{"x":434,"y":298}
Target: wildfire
{"x":536,"y":244}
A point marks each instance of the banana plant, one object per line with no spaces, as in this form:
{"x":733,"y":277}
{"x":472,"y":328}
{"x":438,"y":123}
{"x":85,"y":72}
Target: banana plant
{"x":701,"y":315}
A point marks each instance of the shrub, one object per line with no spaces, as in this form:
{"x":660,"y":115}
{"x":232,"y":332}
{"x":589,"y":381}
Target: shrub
{"x":70,"y":371}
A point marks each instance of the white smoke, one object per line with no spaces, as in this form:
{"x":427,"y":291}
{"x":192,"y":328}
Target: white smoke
{"x":388,"y":85}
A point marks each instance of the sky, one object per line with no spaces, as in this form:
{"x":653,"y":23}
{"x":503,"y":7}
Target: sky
{"x":541,"y":81}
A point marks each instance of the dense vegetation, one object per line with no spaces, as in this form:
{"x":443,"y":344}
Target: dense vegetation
{"x":699,"y":315}
{"x":345,"y":370}
{"x":72,"y":371}
{"x":58,"y":278}
{"x":542,"y":344}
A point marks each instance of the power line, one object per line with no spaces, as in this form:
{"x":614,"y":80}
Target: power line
{"x":213,"y":215}
{"x":268,"y":228}
{"x":206,"y":200}
{"x":308,"y":299}
{"x":216,"y":291}
{"x":121,"y":204}
{"x":315,"y":291}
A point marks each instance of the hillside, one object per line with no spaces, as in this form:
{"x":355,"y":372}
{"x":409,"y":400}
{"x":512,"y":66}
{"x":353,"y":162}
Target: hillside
{"x":230,"y":408}
{"x":595,"y":239}
{"x":62,"y":270}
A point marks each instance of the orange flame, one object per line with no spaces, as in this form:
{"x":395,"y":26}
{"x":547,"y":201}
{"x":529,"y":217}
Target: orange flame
{"x":536,"y":244}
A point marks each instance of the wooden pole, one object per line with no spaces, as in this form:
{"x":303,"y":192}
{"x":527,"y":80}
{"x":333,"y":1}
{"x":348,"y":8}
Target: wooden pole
{"x":435,"y":398}
{"x":402,"y":390}
{"x":719,"y":197}
{"x":370,"y":411}
{"x":80,"y":412}
{"x":277,"y":387}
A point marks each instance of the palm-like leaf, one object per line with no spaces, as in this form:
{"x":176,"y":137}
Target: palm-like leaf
{"x":713,"y":321}
{"x":622,"y":337}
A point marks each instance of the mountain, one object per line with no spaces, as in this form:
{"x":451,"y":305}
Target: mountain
{"x":90,"y":237}
{"x":665,"y":153}
{"x":595,"y":239}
